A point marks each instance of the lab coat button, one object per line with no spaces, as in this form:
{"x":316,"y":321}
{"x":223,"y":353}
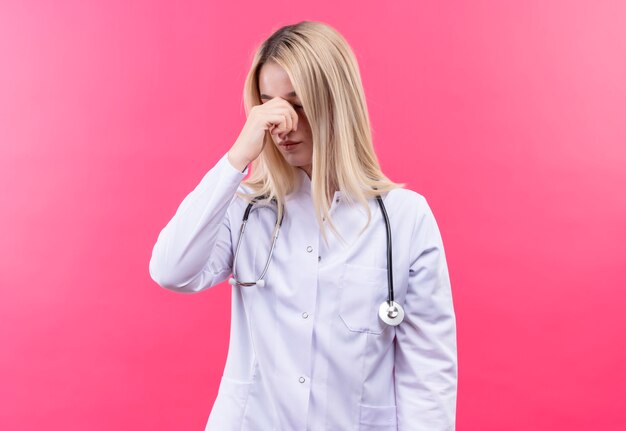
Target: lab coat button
{"x":301,"y":379}
{"x":305,"y":315}
{"x":309,"y":249}
{"x":319,"y":258}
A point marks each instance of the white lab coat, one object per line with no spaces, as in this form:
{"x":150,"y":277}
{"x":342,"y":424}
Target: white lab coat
{"x":308,"y":351}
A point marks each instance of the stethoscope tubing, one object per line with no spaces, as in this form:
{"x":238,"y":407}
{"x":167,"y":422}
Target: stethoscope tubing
{"x":249,"y":208}
{"x":390,"y":312}
{"x":389,"y":252}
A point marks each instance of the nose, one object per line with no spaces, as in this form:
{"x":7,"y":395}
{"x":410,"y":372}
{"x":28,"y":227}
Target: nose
{"x":283,"y":136}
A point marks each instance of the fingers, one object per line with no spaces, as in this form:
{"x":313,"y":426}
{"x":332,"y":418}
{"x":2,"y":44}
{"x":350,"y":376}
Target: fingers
{"x":279,"y":123}
{"x":288,"y":121}
{"x":284,"y":117}
{"x":294,"y":116}
{"x":283,"y":122}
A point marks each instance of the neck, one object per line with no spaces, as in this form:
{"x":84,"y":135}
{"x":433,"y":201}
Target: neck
{"x":307,"y":169}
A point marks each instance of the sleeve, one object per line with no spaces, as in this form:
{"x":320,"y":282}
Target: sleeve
{"x":425,"y":348}
{"x":194,"y":251}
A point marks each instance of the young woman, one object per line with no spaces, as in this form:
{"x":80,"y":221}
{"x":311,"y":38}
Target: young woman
{"x":317,"y":341}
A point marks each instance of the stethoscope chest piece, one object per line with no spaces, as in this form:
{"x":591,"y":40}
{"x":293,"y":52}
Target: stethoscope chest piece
{"x":391,"y":314}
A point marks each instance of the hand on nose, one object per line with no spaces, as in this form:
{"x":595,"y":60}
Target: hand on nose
{"x":283,"y":137}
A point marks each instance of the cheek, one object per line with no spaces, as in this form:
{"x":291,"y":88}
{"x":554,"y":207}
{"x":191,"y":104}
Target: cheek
{"x":306,"y":129}
{"x":302,"y":119}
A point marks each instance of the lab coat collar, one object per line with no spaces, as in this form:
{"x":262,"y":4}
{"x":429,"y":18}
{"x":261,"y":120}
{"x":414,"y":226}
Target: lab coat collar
{"x":305,"y":184}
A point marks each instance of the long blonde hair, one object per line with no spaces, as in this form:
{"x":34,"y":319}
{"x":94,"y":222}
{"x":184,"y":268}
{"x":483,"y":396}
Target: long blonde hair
{"x":325,"y":75}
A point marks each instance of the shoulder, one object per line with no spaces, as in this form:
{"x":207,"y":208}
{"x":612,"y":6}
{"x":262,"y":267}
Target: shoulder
{"x":411,"y":210}
{"x":406,"y":200}
{"x":415,"y":219}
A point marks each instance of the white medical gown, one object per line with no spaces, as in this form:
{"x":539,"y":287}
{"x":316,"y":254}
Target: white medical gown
{"x":308,"y":350}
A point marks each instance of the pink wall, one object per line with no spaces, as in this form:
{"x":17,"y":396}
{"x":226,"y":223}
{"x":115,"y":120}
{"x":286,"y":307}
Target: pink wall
{"x":508,"y":116}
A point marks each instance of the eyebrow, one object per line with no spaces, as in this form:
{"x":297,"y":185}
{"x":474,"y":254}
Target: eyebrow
{"x":292,"y":94}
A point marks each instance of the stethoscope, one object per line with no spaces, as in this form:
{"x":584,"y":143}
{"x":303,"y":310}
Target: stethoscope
{"x":390,"y":312}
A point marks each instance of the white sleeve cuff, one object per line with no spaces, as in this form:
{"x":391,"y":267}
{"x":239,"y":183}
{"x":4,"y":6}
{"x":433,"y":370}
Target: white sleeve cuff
{"x":232,"y":168}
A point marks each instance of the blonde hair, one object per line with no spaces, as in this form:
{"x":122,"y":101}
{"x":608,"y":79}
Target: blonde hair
{"x":325,"y":75}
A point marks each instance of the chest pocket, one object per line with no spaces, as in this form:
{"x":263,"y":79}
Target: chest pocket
{"x":362,"y":290}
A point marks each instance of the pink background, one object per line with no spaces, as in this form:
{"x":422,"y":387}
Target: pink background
{"x":508,"y":116}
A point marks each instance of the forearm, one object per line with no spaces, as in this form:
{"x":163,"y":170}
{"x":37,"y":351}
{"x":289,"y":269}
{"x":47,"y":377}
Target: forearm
{"x":188,"y":241}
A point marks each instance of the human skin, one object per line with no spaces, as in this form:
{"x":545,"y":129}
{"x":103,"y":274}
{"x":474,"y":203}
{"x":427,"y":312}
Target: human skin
{"x":274,"y":82}
{"x":282,"y":114}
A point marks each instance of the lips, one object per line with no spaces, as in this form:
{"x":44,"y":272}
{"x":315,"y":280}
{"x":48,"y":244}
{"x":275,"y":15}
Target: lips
{"x":289,"y":146}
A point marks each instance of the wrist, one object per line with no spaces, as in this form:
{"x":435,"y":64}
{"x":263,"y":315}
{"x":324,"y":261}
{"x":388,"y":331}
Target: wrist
{"x":237,"y":162}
